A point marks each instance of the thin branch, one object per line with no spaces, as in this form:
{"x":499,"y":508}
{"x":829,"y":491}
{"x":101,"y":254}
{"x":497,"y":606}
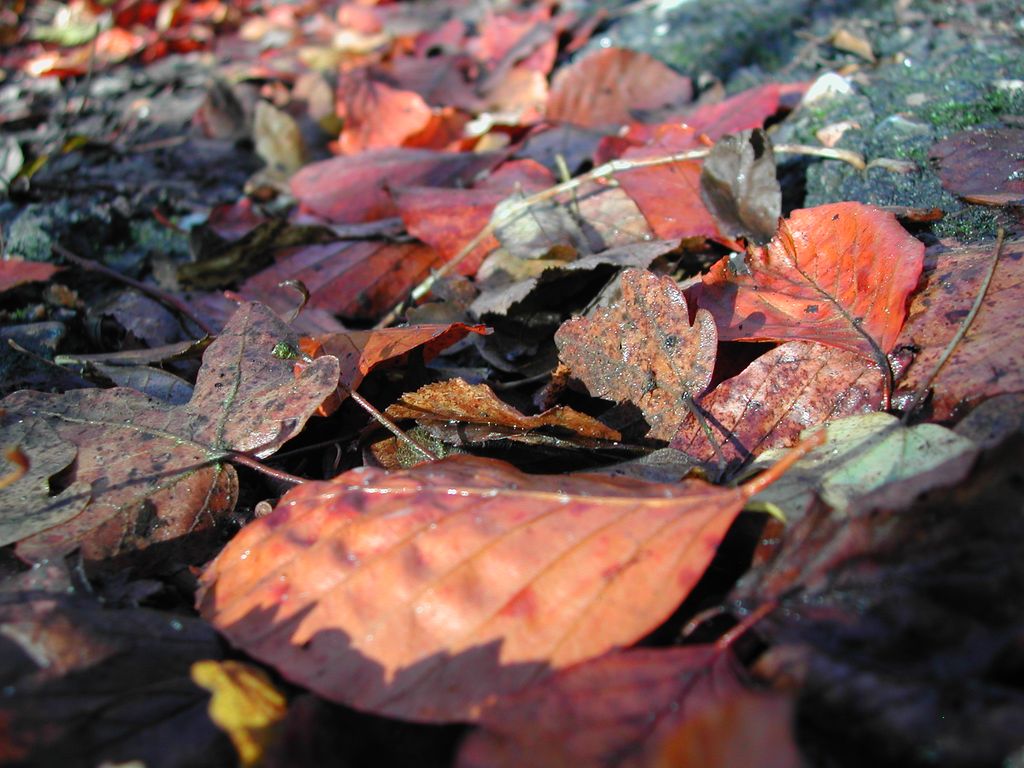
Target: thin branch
{"x":777,"y":470}
{"x":391,"y":427}
{"x":516,"y":208}
{"x":922,"y":391}
{"x":238,"y":457}
{"x":160,"y":295}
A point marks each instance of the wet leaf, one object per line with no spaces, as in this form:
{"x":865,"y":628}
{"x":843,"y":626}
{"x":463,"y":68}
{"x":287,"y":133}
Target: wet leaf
{"x":157,"y":471}
{"x":604,"y":88}
{"x":793,"y":387}
{"x":871,"y":456}
{"x":245,"y":704}
{"x":837,"y":274}
{"x":15,"y":272}
{"x":427,"y":593}
{"x":983,"y":166}
{"x":738,"y":185}
{"x":605,"y":712}
{"x":643,"y":350}
{"x":457,"y":400}
{"x":989,"y":360}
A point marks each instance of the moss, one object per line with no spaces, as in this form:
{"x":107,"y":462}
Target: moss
{"x":968,"y":225}
{"x":954,"y":116}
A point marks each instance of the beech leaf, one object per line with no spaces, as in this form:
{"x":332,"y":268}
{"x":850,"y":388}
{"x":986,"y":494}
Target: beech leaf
{"x":427,"y":593}
{"x":156,"y":471}
{"x":643,"y":350}
{"x":837,"y":274}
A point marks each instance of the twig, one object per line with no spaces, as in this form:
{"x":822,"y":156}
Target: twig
{"x":620,"y":165}
{"x":238,"y":457}
{"x":922,"y":391}
{"x":391,"y":427}
{"x":777,"y":470}
{"x":160,"y":295}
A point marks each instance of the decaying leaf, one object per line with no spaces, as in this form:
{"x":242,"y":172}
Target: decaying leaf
{"x":793,"y":387}
{"x":643,"y":350}
{"x":837,"y":274}
{"x":989,"y":360}
{"x":602,"y":713}
{"x":15,"y":272}
{"x":278,"y":139}
{"x":428,"y":593}
{"x":738,"y":185}
{"x":871,"y":458}
{"x":983,"y":166}
{"x":244,"y":703}
{"x":156,"y":471}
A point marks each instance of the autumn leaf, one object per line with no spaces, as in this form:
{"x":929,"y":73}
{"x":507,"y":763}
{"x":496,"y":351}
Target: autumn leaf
{"x":983,"y":166}
{"x":738,"y":186}
{"x":427,"y":593}
{"x":837,"y":274}
{"x":376,"y":114}
{"x":788,"y":389}
{"x":643,"y":350}
{"x":15,"y":272}
{"x":602,"y":713}
{"x":989,"y":359}
{"x":156,"y":471}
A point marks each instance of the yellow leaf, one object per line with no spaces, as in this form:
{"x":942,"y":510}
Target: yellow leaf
{"x":245,"y":704}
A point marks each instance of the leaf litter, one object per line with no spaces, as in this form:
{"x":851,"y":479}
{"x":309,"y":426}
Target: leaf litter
{"x":475,"y":161}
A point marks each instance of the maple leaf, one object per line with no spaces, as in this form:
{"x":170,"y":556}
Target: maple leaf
{"x":837,"y":274}
{"x":427,"y":593}
{"x":643,"y":350}
{"x":156,"y":471}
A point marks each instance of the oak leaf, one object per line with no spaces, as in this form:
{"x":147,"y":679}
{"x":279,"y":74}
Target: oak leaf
{"x":643,"y":350}
{"x":427,"y":593}
{"x":156,"y":471}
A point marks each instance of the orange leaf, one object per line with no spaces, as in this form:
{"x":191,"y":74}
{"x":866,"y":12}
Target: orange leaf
{"x":377,"y":115}
{"x":427,"y":593}
{"x":837,"y":274}
{"x":643,"y":350}
{"x":15,"y":272}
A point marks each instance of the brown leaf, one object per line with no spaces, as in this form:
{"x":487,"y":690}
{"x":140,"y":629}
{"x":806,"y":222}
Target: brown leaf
{"x":643,"y":350}
{"x":157,"y":471}
{"x":983,"y":166}
{"x":837,"y":274}
{"x":738,"y":185}
{"x":989,"y":360}
{"x":793,"y":387}
{"x":427,"y":593}
{"x":602,"y":713}
{"x":457,"y":400}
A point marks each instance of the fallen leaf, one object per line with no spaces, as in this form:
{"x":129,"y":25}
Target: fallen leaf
{"x":278,"y":139}
{"x":602,"y":713}
{"x":375,"y":114}
{"x":604,"y":88}
{"x":457,"y":400}
{"x":837,"y":274}
{"x":15,"y":272}
{"x":643,"y":350}
{"x":245,"y":704}
{"x":738,"y":186}
{"x":425,"y":594}
{"x":989,"y":360}
{"x":354,"y":189}
{"x":156,"y":471}
{"x":983,"y":166}
{"x":793,"y":387}
{"x":870,"y":457}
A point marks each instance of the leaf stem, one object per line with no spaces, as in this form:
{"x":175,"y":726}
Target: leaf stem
{"x":777,"y":470}
{"x":922,"y":391}
{"x":607,"y":170}
{"x":238,"y":457}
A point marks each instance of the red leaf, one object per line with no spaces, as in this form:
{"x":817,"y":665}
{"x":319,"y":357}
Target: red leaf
{"x":361,"y":279}
{"x":448,"y":219}
{"x":15,"y":272}
{"x":606,"y":87}
{"x":837,"y":274}
{"x":602,"y":713}
{"x":377,"y":115}
{"x":427,"y":593}
{"x":794,"y":386}
{"x":643,"y":350}
{"x":156,"y":471}
{"x":348,"y":190}
{"x":989,"y":360}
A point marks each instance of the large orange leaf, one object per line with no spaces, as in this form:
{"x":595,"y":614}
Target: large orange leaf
{"x":427,"y":593}
{"x":156,"y":471}
{"x":989,"y":360}
{"x":376,"y":114}
{"x":603,"y":713}
{"x":643,"y":350}
{"x":837,"y":274}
